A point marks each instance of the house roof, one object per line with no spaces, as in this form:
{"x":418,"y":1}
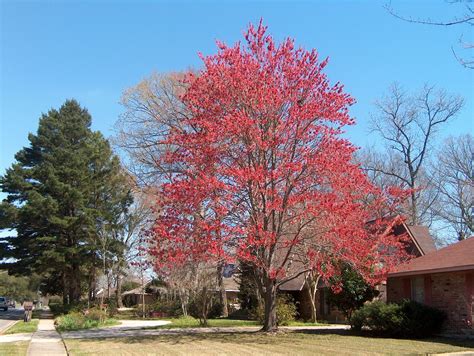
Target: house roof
{"x":455,"y":257}
{"x":231,"y":284}
{"x":296,"y":284}
{"x":137,"y":290}
{"x":422,"y":238}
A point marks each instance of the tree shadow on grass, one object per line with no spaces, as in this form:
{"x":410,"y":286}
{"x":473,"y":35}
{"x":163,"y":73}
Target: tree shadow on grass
{"x":215,"y":337}
{"x":460,"y":342}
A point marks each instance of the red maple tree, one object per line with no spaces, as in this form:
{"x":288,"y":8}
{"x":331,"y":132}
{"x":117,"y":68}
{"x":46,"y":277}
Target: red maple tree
{"x":263,"y":174}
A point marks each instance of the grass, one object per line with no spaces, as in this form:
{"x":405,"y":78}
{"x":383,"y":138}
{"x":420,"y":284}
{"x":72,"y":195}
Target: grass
{"x":282,"y":343}
{"x":22,"y":327}
{"x":306,"y":323}
{"x":189,"y":322}
{"x":14,"y":348}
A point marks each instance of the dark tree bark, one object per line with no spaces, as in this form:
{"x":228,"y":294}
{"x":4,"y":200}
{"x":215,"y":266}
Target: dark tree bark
{"x":223,"y":294}
{"x":270,"y":323}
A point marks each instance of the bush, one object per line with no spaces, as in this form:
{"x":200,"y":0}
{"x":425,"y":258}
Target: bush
{"x":75,"y":320}
{"x":286,"y":311}
{"x":96,"y":314}
{"x":56,"y":308}
{"x":216,"y":310}
{"x":354,"y":293}
{"x":167,"y":308}
{"x":407,"y":319}
{"x":71,"y":321}
{"x":422,"y":320}
{"x":198,"y":304}
{"x":111,"y":306}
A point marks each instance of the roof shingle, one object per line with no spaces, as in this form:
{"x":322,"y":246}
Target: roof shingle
{"x":455,"y":257}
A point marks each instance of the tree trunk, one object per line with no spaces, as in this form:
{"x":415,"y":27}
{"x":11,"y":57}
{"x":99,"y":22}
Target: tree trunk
{"x":204,"y":307}
{"x":223,"y":294}
{"x":270,"y":322}
{"x":118,"y":291}
{"x":65,"y":288}
{"x":184,"y":299}
{"x":92,"y":285}
{"x":312,"y":288}
{"x":75,"y":284}
{"x":413,"y":208}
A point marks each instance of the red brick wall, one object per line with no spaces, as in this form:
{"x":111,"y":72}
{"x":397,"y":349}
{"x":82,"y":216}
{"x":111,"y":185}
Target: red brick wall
{"x":452,"y":292}
{"x":449,"y":293}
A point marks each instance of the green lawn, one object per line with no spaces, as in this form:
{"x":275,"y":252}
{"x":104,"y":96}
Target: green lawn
{"x":190,"y":322}
{"x":306,"y":323}
{"x":14,"y":348}
{"x":22,"y":327}
{"x":282,"y":343}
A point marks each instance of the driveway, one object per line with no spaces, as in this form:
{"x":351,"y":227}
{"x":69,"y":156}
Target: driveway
{"x":7,"y":318}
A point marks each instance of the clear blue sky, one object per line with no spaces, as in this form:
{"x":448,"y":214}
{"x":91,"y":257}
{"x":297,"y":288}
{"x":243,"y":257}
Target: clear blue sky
{"x":93,"y":50}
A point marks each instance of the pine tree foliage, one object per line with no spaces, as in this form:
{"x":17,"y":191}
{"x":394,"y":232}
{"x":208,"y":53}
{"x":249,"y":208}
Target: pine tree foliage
{"x":64,"y":190}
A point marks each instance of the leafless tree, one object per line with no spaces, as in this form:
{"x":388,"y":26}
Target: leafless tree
{"x":130,"y":237}
{"x":408,"y":124}
{"x":465,"y":18}
{"x":152,"y":109}
{"x":454,"y":170}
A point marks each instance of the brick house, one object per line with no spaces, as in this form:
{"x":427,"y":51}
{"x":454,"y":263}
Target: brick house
{"x":420,"y":243}
{"x":443,"y":279}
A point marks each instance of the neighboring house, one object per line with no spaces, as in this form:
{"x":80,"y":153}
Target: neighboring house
{"x":420,"y":244}
{"x":152,"y":293}
{"x":136,"y":296}
{"x":232,"y":288}
{"x":443,"y":279}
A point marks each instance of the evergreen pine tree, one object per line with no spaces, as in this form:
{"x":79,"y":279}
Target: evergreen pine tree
{"x":64,"y":189}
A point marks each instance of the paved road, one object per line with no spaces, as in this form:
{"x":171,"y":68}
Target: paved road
{"x":8,"y":317}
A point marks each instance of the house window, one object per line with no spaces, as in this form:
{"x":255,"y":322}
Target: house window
{"x":418,"y":289}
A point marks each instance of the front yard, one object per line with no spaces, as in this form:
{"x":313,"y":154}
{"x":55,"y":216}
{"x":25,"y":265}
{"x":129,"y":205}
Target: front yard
{"x":283,"y":343}
{"x":22,"y":327}
{"x":14,"y":348}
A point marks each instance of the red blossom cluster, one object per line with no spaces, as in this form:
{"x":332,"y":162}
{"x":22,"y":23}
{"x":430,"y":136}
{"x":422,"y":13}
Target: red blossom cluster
{"x":265,"y":175}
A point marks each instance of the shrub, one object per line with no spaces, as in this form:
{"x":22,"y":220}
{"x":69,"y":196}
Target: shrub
{"x":286,"y":311}
{"x":75,"y":320}
{"x":71,"y":321}
{"x":407,"y":319}
{"x":169,"y":308}
{"x":96,"y":314}
{"x":56,"y":308}
{"x":422,"y":320}
{"x":200,"y":306}
{"x":111,"y":306}
{"x":216,"y":309}
{"x":354,"y":293}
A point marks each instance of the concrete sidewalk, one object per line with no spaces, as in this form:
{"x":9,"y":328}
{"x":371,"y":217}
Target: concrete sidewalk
{"x":15,"y":337}
{"x":46,"y":341}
